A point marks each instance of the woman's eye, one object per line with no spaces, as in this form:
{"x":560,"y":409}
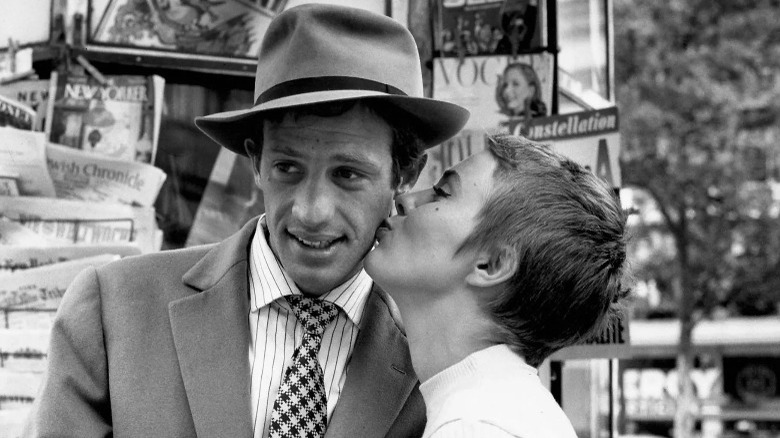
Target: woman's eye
{"x":439,"y":192}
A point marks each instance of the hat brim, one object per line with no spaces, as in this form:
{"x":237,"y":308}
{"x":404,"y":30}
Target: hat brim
{"x":435,"y":121}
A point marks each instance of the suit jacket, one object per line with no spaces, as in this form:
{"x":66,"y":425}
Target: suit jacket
{"x":157,"y":345}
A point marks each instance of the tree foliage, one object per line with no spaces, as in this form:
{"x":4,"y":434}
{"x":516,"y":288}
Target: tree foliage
{"x":698,"y":89}
{"x":697,"y":86}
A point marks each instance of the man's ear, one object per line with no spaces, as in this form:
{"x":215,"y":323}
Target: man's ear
{"x":409,"y":176}
{"x":493,"y":267}
{"x":251,"y":151}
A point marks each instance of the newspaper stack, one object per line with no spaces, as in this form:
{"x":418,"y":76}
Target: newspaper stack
{"x":77,"y":196}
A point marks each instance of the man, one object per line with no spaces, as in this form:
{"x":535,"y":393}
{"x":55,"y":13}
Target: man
{"x":515,"y":253}
{"x":277,"y":331}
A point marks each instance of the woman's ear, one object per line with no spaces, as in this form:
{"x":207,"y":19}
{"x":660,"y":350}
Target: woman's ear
{"x":493,"y":267}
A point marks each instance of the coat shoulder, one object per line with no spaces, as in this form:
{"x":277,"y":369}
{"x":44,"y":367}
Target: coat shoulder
{"x":171,"y":262}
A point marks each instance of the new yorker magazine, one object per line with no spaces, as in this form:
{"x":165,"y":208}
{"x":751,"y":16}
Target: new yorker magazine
{"x":119,"y":118}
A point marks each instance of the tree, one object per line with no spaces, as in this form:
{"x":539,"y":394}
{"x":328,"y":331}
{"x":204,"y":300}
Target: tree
{"x":688,"y":75}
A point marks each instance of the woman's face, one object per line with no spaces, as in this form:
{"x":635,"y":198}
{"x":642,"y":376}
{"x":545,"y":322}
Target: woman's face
{"x":517,"y":90}
{"x":416,"y":249}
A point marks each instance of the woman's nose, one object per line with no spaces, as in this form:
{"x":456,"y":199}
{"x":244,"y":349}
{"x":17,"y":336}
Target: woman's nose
{"x":409,"y":201}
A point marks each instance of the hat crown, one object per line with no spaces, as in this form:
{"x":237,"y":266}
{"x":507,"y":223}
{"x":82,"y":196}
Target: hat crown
{"x":317,"y":41}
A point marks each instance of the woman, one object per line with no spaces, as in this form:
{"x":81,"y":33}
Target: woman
{"x":519,"y":92}
{"x":515,"y":253}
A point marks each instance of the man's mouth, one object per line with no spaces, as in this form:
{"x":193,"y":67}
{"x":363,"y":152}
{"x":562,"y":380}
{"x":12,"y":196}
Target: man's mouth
{"x":315,"y":243}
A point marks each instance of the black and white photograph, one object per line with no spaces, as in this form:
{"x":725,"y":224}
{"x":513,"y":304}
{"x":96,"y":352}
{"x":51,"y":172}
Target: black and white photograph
{"x":390,"y":218}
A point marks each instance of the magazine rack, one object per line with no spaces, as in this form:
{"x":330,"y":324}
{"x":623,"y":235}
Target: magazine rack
{"x":219,"y":37}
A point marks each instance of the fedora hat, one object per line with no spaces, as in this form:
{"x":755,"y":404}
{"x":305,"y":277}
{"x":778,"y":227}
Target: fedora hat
{"x":317,"y":53}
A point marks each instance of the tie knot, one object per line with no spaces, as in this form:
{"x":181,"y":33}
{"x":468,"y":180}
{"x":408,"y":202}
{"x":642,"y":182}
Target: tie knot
{"x":314,"y":314}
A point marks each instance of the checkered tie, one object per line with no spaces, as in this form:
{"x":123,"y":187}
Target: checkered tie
{"x":300,"y":408}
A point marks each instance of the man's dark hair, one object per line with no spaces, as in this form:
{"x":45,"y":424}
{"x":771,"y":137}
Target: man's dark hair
{"x":567,"y":230}
{"x":407,"y":148}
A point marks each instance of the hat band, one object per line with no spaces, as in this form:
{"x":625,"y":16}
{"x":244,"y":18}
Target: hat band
{"x":324,"y":83}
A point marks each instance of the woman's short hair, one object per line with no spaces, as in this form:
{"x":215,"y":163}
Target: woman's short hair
{"x":567,"y":230}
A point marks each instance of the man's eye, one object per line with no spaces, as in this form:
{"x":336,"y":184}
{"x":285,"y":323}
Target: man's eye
{"x":285,"y":167}
{"x":440,"y":192}
{"x":346,"y":174}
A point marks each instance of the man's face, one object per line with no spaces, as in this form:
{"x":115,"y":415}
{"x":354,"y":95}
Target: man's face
{"x":416,"y":252}
{"x":327,"y":185}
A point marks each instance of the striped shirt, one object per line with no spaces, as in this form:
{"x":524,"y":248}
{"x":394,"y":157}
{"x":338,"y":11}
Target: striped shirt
{"x":275,"y":332}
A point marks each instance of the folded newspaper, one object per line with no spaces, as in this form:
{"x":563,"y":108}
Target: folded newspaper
{"x":23,"y":170}
{"x":18,"y":258}
{"x":24,"y":349}
{"x":33,"y":93}
{"x":88,"y":176}
{"x":81,"y":222}
{"x":16,"y":114}
{"x":43,"y":287}
{"x":13,"y":234}
{"x":28,"y":319}
{"x":18,"y":390}
{"x":119,"y":119}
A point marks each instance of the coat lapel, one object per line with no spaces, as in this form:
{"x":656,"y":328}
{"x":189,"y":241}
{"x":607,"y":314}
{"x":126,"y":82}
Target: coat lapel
{"x":211,"y":334}
{"x":380,"y":376}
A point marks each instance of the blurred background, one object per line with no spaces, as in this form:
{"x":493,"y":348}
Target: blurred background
{"x":689,"y":92}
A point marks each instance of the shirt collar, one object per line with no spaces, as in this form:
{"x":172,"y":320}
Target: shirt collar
{"x":268,"y":281}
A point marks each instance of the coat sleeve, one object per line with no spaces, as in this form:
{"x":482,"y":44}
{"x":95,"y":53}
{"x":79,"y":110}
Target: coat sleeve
{"x":74,"y":398}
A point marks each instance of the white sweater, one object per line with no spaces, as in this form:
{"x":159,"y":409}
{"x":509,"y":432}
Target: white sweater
{"x":492,"y":393}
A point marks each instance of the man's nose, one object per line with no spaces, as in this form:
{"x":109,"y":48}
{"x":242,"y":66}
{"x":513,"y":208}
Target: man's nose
{"x":409,"y":201}
{"x":313,"y":204}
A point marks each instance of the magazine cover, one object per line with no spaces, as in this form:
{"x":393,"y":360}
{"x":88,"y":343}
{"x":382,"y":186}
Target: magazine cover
{"x":488,"y":27}
{"x":231,"y":28}
{"x":500,"y":91}
{"x":119,"y":119}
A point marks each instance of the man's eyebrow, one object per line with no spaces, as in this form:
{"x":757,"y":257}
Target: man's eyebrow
{"x":353,"y":158}
{"x":286,"y":150}
{"x":357,"y":159}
